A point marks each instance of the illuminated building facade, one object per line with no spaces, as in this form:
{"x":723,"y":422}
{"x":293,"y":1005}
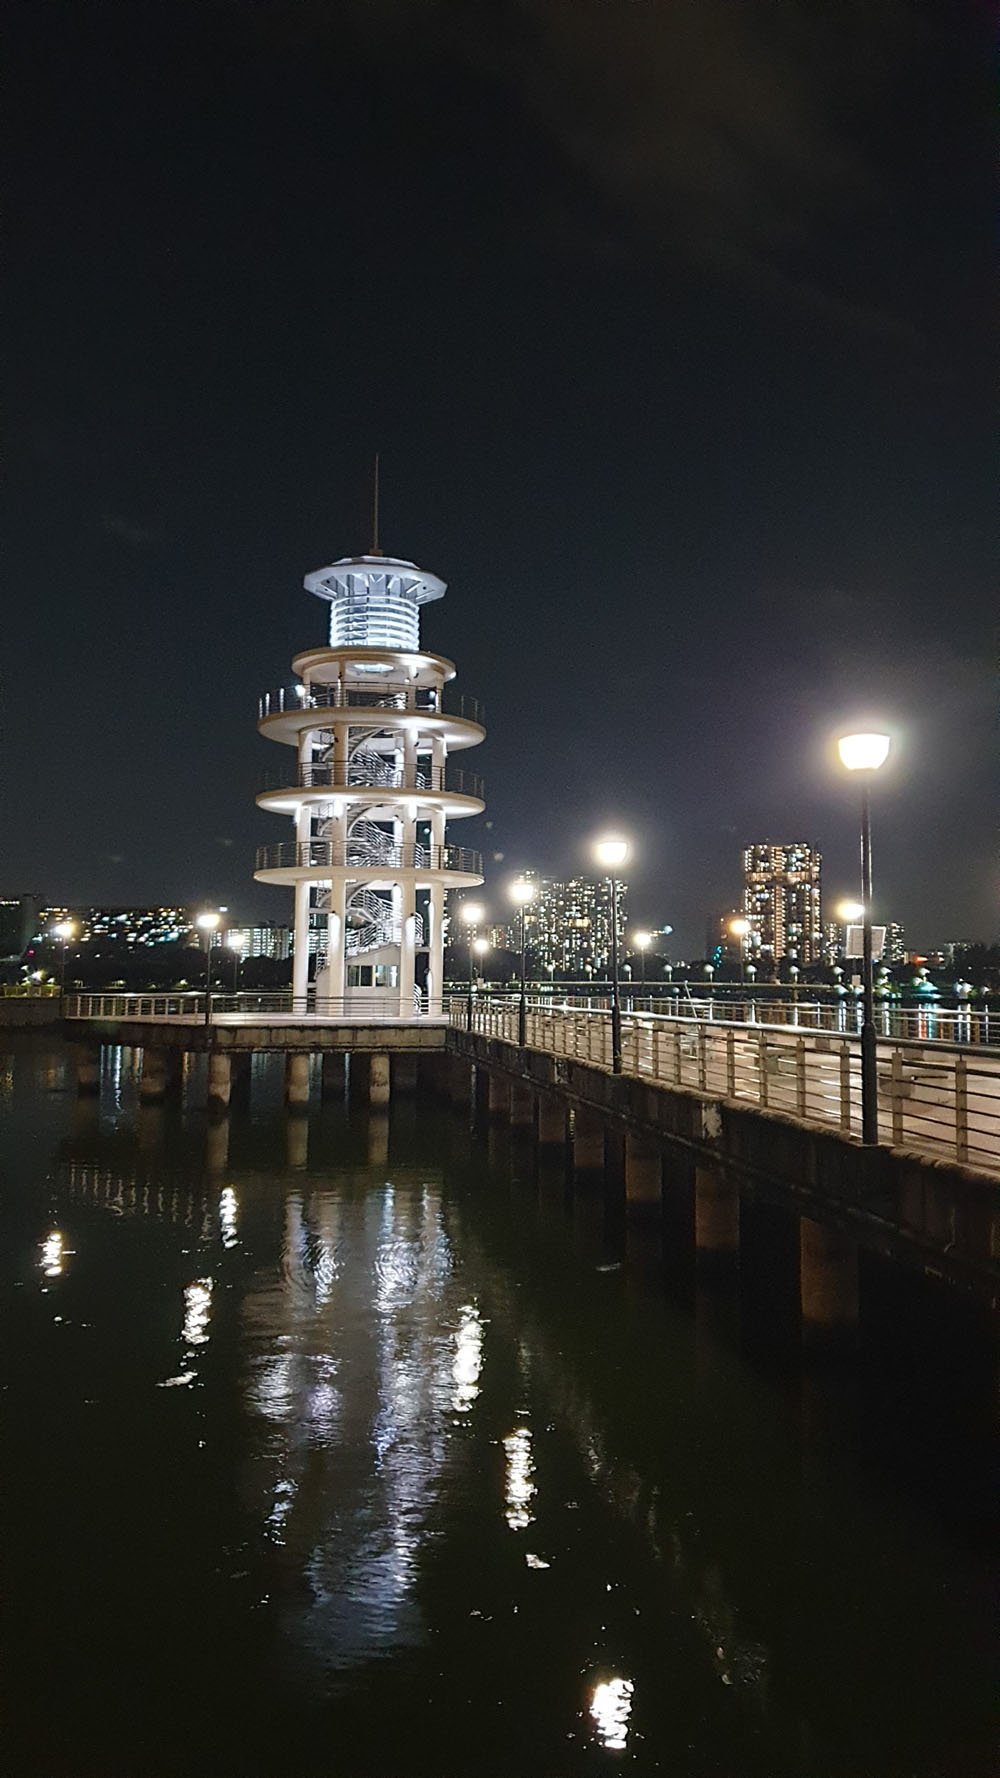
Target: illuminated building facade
{"x":569,"y":925}
{"x":131,"y":927}
{"x":262,"y":941}
{"x":782,"y":901}
{"x":368,"y":733}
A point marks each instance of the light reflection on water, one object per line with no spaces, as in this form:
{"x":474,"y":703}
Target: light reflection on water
{"x":386,"y":1389}
{"x":520,"y":1484}
{"x":610,"y":1709}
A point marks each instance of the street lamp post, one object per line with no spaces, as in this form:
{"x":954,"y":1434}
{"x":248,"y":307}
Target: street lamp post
{"x":208,"y":924}
{"x":522,"y":892}
{"x":63,"y":930}
{"x":234,"y":944}
{"x":611,"y":853}
{"x":470,"y":913}
{"x":641,"y":942}
{"x":865,"y":753}
{"x":739,"y":929}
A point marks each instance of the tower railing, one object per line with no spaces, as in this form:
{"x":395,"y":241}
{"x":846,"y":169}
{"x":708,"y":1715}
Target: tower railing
{"x":319,"y":854}
{"x":366,"y":774}
{"x":402,"y":696}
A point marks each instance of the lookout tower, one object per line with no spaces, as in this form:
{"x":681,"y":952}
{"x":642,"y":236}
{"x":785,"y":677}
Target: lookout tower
{"x":368,"y":730}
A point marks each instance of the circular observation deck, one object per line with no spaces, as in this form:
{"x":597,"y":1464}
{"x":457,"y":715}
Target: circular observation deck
{"x":365,"y":666}
{"x":378,"y":787}
{"x":320,"y":861}
{"x":290,"y":711}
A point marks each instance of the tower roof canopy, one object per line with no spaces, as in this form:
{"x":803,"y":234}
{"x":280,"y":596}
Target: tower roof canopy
{"x":349,"y":576}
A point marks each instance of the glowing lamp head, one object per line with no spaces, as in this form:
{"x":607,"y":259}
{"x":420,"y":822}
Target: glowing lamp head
{"x":235,"y":941}
{"x":522,"y":892}
{"x":209,"y":922}
{"x":641,"y":941}
{"x":863,"y":753}
{"x":480,"y":946}
{"x":64,"y":929}
{"x":849,"y":911}
{"x":739,"y":928}
{"x":611,"y":852}
{"x":472,"y":912}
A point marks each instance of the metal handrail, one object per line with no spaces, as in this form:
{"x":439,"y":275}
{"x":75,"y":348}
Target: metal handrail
{"x":359,"y":776}
{"x":403,"y":695}
{"x":188,"y":1007}
{"x":320,"y":854}
{"x":914,"y":1023}
{"x":934,"y":1097}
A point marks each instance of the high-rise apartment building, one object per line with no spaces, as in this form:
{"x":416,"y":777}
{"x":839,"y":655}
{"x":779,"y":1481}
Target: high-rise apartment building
{"x":269,"y":940}
{"x":569,"y":925}
{"x":781,"y":900}
{"x":129,"y":926}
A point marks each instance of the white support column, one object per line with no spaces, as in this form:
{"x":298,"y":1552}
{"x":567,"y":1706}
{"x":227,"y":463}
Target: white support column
{"x":336,"y":954}
{"x":300,"y":954}
{"x":407,"y":959}
{"x":341,"y":742}
{"x":435,"y":943}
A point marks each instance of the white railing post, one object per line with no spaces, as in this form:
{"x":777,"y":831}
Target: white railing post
{"x":961,"y":1109}
{"x":896,"y":1090}
{"x":845,"y":1085}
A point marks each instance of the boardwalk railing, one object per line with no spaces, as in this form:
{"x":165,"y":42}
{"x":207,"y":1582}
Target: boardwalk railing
{"x":942,"y":1098}
{"x":187,"y":1007}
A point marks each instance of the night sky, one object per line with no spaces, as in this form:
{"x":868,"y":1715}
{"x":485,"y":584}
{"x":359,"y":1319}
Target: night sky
{"x":670,"y":321}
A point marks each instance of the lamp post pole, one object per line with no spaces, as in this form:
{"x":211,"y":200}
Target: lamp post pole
{"x":865,"y":753}
{"x":470,"y":913}
{"x":522,"y":1004}
{"x":521,"y":892}
{"x":207,"y":924}
{"x":209,"y":935}
{"x":616,"y":1005}
{"x":869,"y":1049}
{"x":611,"y":853}
{"x":64,"y":932}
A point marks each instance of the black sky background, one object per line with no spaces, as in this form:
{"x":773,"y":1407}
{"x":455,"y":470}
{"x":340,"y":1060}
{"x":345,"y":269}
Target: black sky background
{"x":670,"y":321}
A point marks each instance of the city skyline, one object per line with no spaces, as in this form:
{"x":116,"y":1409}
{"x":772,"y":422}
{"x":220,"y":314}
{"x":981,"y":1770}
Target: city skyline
{"x":689,"y":409}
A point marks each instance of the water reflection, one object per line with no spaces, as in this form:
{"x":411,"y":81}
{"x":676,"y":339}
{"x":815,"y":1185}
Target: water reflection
{"x":519,"y":1490}
{"x":356,"y":1374}
{"x":51,"y":1261}
{"x":468,"y":1360}
{"x":197,"y":1310}
{"x":228,"y":1217}
{"x":610,"y":1709}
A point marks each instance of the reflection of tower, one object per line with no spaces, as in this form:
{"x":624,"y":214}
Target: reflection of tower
{"x":370,"y":791}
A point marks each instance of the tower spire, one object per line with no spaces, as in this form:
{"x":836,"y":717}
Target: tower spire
{"x":375,"y":550}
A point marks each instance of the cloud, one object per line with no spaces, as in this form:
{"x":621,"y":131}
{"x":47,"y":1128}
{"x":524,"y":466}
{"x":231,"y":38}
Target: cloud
{"x":130,"y":531}
{"x":721,"y":133}
{"x":726,"y":133}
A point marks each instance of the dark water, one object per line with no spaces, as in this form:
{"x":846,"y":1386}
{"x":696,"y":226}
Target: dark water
{"x":352,"y":1448}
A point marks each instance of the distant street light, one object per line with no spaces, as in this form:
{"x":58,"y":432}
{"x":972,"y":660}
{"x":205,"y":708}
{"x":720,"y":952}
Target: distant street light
{"x":64,"y":930}
{"x":641,"y":942}
{"x":470,"y":913}
{"x":208,"y":923}
{"x":611,"y":853}
{"x":522,"y":892}
{"x":865,"y":753}
{"x":740,"y":929}
{"x":236,"y":943}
